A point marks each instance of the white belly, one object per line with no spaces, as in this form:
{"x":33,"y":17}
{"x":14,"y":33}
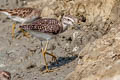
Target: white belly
{"x":18,"y":19}
{"x":41,"y":36}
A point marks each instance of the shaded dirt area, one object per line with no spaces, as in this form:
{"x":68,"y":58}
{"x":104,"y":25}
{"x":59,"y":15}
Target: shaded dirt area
{"x":100,"y":59}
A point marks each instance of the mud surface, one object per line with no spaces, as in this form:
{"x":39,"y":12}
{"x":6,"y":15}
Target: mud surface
{"x":22,"y":57}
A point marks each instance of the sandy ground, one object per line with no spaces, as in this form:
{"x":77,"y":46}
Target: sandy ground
{"x":22,"y":57}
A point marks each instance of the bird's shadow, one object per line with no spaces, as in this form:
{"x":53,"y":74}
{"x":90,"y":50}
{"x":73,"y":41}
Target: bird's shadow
{"x":60,"y":62}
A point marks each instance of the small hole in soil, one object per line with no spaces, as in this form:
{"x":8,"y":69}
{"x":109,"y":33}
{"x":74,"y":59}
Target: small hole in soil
{"x":31,"y":66}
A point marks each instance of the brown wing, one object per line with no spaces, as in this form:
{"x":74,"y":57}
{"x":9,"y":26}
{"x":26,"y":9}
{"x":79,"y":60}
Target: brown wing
{"x":45,"y":28}
{"x":50,"y":21}
{"x":22,"y":12}
{"x":44,"y":25}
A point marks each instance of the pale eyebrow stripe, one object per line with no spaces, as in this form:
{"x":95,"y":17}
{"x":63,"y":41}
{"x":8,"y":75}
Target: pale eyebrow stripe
{"x":70,"y":19}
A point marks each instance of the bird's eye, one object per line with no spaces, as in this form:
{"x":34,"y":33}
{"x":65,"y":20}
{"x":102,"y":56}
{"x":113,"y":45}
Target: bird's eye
{"x":68,"y":19}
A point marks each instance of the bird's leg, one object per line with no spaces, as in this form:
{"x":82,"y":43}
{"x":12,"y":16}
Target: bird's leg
{"x":13,"y":30}
{"x":47,"y":70}
{"x":44,"y":55}
{"x":44,"y":52}
{"x":25,"y":33}
{"x":54,"y":58}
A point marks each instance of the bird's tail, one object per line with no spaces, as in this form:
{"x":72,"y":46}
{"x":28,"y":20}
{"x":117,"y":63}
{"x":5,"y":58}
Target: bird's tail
{"x":1,"y":10}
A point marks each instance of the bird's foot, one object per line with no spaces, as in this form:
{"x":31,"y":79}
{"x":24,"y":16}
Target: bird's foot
{"x":26,"y":34}
{"x":54,"y":58}
{"x":47,"y":71}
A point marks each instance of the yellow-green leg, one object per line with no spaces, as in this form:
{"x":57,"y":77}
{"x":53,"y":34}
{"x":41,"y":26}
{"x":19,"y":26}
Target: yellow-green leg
{"x":54,"y":58}
{"x":25,"y":33}
{"x":44,"y":52}
{"x":13,"y":30}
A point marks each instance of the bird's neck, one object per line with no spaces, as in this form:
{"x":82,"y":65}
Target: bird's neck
{"x":65,"y":26}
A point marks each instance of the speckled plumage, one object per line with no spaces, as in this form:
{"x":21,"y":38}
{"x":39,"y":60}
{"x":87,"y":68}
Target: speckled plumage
{"x":22,"y":14}
{"x":46,"y":28}
{"x":45,"y":25}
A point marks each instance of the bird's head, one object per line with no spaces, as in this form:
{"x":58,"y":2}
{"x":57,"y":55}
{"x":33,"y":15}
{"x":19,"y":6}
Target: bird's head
{"x":68,"y":20}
